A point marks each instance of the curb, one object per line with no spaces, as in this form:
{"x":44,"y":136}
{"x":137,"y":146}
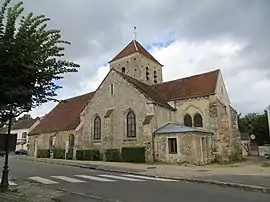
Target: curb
{"x":245,"y":187}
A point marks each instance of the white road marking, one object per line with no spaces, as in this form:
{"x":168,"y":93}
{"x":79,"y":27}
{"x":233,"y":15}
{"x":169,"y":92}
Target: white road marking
{"x":95,"y":178}
{"x":43,"y":180}
{"x":151,"y":178}
{"x":122,"y":178}
{"x":68,"y":179}
{"x":12,"y":183}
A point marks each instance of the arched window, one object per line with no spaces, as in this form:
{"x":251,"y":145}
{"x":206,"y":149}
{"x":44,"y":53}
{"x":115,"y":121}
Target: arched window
{"x":131,"y":124}
{"x":188,"y":120}
{"x":71,"y":139}
{"x":198,"y":121}
{"x":97,"y":128}
{"x":123,"y":69}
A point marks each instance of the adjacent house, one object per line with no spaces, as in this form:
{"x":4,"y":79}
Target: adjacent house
{"x":22,"y":128}
{"x":184,"y":120}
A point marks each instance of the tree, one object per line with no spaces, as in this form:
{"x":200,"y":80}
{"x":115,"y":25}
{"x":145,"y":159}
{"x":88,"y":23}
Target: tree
{"x":256,"y":124}
{"x":25,"y":116}
{"x":30,"y":62}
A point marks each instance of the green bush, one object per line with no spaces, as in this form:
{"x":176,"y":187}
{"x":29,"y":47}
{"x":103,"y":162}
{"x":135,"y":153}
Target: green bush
{"x":88,"y":154}
{"x":43,"y":153}
{"x":59,"y":153}
{"x":133,"y":154}
{"x":113,"y":155}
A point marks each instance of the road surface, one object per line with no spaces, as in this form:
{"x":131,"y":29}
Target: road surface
{"x":84,"y":185}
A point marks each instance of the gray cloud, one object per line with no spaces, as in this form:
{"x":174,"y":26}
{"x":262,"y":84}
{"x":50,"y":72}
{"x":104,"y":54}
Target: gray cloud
{"x":100,"y":29}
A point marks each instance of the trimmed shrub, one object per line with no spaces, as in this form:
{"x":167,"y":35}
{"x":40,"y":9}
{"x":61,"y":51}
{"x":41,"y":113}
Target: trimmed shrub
{"x":88,"y":154}
{"x":59,"y":153}
{"x":133,"y":154}
{"x":43,"y":153}
{"x":113,"y":155}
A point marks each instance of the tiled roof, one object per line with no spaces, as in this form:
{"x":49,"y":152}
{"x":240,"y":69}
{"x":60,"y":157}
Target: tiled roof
{"x":133,"y":47}
{"x":24,"y":124}
{"x":147,"y":90}
{"x":178,"y":128}
{"x":65,"y":116}
{"x":189,"y":87}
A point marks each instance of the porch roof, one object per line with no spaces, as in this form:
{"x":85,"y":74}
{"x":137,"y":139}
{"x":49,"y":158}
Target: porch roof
{"x":179,"y":128}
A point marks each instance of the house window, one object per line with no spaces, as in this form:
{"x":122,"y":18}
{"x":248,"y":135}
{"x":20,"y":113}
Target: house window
{"x":71,"y":139}
{"x":198,"y":121}
{"x":123,"y":70}
{"x":111,"y":89}
{"x":24,"y":135}
{"x":97,"y":128}
{"x":131,"y":124}
{"x":172,"y":144}
{"x":188,"y":120}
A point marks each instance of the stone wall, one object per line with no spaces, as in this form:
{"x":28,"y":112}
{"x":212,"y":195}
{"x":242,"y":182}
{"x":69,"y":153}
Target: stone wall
{"x":236,"y":135}
{"x":190,"y":148}
{"x":191,"y":107}
{"x":114,"y":128}
{"x":137,"y":65}
{"x":42,"y":141}
{"x":223,"y":123}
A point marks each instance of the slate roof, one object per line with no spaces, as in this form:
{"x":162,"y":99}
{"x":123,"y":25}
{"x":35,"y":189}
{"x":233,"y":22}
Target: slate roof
{"x":189,"y":87}
{"x":178,"y":128}
{"x":24,"y":124}
{"x":65,"y":116}
{"x":133,"y":47}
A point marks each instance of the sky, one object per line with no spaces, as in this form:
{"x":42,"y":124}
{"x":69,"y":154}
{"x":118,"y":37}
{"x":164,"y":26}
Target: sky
{"x":187,"y":37}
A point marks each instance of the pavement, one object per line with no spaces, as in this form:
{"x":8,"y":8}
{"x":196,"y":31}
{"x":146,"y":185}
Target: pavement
{"x":68,"y":184}
{"x":252,"y":174}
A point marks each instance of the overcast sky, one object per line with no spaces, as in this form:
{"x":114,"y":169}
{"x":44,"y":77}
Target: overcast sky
{"x":186,"y":36}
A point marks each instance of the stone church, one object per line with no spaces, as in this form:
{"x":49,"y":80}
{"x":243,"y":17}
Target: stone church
{"x":188,"y":120}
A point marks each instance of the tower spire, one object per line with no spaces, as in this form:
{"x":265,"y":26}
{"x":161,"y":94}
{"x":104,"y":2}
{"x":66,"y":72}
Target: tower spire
{"x":135,"y":32}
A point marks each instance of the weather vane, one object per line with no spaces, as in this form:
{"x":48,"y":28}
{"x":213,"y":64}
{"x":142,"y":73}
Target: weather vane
{"x":135,"y":32}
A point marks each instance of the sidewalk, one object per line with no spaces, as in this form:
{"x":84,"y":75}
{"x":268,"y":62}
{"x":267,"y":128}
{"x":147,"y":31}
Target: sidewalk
{"x":253,"y":173}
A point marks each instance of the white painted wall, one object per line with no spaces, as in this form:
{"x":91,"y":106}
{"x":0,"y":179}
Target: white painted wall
{"x":20,"y":138}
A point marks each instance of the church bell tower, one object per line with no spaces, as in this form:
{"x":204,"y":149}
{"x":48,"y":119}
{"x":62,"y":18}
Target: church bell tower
{"x":135,"y":61}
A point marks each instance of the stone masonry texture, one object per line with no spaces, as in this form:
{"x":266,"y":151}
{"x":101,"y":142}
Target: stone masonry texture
{"x":219,"y":118}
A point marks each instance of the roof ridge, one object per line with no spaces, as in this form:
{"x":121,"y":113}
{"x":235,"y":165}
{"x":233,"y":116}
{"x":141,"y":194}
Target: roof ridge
{"x":134,"y":42}
{"x":77,"y":96}
{"x":161,"y":101}
{"x":134,"y":47}
{"x":187,"y":77}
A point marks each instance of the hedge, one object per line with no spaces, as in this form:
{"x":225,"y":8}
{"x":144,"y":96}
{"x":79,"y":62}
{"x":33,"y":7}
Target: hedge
{"x":59,"y":153}
{"x":88,"y":154}
{"x":43,"y":153}
{"x":133,"y":154}
{"x":113,"y":155}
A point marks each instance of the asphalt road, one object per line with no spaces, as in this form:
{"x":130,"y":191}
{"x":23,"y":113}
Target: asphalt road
{"x":118,"y":187}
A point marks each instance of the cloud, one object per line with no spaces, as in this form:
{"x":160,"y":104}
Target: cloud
{"x":200,"y":35}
